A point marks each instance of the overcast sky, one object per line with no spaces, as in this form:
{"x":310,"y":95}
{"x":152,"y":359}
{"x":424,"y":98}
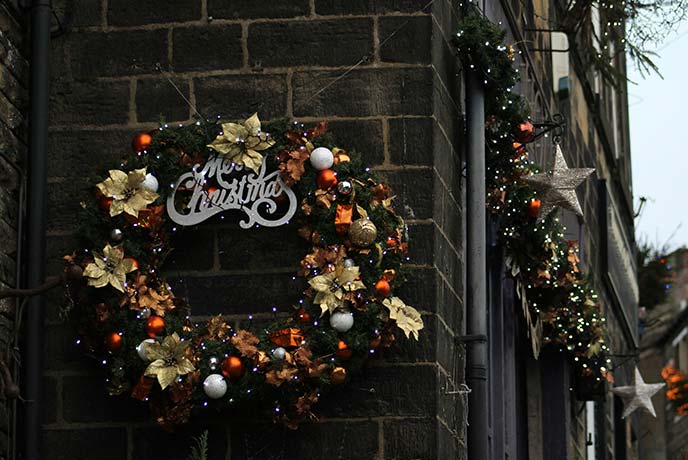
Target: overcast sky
{"x":659,"y":144}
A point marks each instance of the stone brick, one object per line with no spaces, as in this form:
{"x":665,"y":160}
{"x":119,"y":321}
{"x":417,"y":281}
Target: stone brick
{"x":243,"y":9}
{"x":364,"y":92}
{"x":293,"y":43}
{"x":153,"y":443}
{"x":409,"y":141}
{"x":92,"y":102}
{"x":157,"y":100}
{"x":85,"y":444}
{"x":264,"y":248}
{"x":85,"y":400}
{"x":362,"y":136}
{"x":419,"y":289}
{"x":421,"y":244}
{"x":385,"y":391}
{"x":63,"y":205}
{"x":408,"y":439}
{"x":409,"y":350}
{"x":414,"y":190}
{"x":194,"y":249}
{"x":127,"y":13}
{"x":239,"y":96}
{"x":60,"y":345}
{"x":94,"y":151}
{"x":312,"y":441}
{"x":96,"y":54}
{"x":405,"y":39}
{"x":49,"y":399}
{"x":12,"y":88}
{"x":78,"y":13}
{"x":369,"y":6}
{"x":207,"y":48}
{"x":238,"y":294}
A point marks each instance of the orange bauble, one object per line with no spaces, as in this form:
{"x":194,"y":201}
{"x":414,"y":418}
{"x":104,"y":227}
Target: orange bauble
{"x":343,"y":352}
{"x":519,"y":148}
{"x":383,"y":288}
{"x":303,"y":317}
{"x":104,"y":202}
{"x":155,"y":326}
{"x":113,"y":342}
{"x":141,"y":142}
{"x":326,"y":179}
{"x":232,"y":368}
{"x":525,"y":132}
{"x":534,"y":208}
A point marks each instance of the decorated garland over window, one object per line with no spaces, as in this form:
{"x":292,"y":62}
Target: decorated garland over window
{"x":353,"y":251}
{"x":559,"y":306}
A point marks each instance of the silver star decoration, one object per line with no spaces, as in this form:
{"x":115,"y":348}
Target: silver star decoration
{"x":637,"y":396}
{"x":557,"y":187}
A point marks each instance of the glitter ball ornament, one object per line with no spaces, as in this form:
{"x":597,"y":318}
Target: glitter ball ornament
{"x":150,"y":183}
{"x":362,"y":232}
{"x":279,"y":353}
{"x":342,"y":321}
{"x":214,"y":386}
{"x":348,"y":263}
{"x":113,"y":342}
{"x":213,"y":362}
{"x":116,"y":235}
{"x":141,"y":142}
{"x":232,"y":368}
{"x":322,"y":158}
{"x":345,"y":187}
{"x":343,"y":351}
{"x":142,"y":349}
{"x":326,"y":179}
{"x":155,"y":326}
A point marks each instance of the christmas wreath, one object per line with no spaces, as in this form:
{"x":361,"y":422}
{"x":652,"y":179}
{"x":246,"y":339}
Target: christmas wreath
{"x":354,"y":246}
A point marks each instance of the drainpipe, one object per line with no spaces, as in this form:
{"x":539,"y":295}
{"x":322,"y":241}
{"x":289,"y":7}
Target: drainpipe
{"x":36,"y":225}
{"x":476,"y":271}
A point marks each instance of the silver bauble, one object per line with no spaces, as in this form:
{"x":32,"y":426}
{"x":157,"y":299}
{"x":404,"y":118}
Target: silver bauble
{"x":142,"y":349}
{"x":341,"y":320}
{"x":213,"y":362}
{"x":349,"y":263}
{"x":116,"y":235}
{"x":345,"y":187}
{"x":362,"y":232}
{"x":215,"y":386}
{"x":279,"y":353}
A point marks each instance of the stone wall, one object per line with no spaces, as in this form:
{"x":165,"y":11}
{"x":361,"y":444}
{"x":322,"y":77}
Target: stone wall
{"x":400,"y":105}
{"x":13,"y":108}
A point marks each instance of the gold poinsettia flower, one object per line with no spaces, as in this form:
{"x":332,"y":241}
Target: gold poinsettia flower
{"x":127,"y":191}
{"x":407,"y":318}
{"x":169,"y":360}
{"x":110,"y":267}
{"x":141,"y":296}
{"x":331,"y":288}
{"x":241,"y":143}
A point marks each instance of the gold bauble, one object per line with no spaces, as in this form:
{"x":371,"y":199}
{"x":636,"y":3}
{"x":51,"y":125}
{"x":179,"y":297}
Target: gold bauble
{"x":338,"y":375}
{"x":363,"y":232}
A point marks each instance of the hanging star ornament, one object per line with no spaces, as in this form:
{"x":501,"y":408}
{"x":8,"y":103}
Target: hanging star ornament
{"x":557,"y":188}
{"x":637,"y":396}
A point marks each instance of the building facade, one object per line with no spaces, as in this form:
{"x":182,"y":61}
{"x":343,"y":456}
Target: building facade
{"x":385,"y":75}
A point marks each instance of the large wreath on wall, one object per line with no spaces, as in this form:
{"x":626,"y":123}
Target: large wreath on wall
{"x":180,"y":177}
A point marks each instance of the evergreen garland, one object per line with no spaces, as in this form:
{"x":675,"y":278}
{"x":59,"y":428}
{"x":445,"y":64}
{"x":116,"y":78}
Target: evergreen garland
{"x":560,"y":306}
